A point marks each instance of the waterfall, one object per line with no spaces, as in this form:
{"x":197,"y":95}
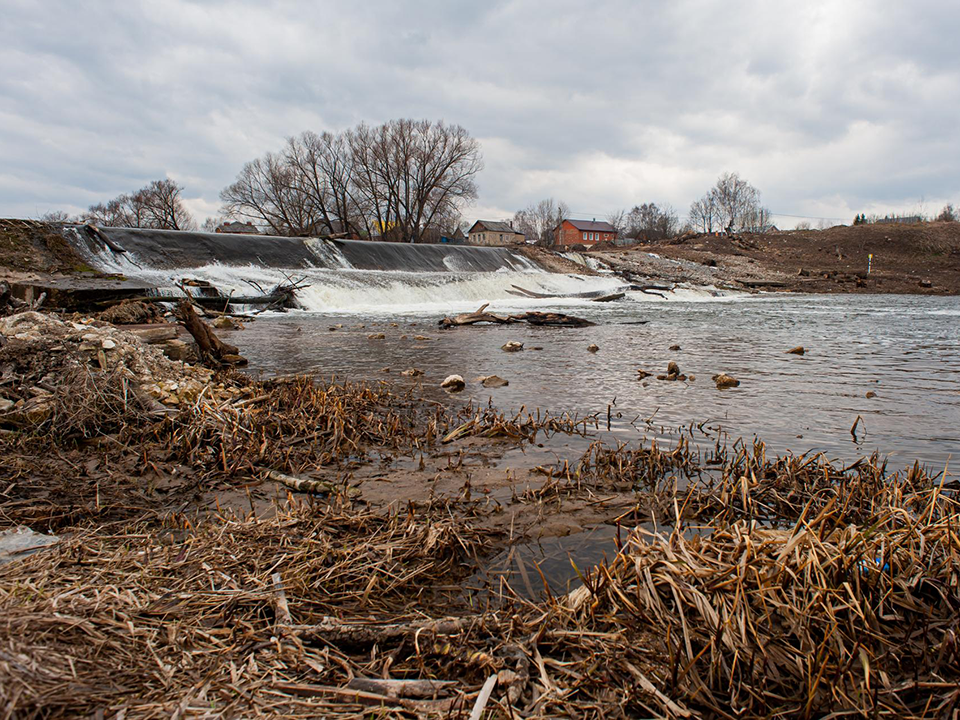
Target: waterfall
{"x":343,"y":275}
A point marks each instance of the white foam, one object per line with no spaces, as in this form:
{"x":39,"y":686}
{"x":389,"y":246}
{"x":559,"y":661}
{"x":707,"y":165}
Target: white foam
{"x":336,"y":287}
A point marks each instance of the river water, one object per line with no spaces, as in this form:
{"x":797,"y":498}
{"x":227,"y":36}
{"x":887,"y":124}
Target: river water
{"x":905,"y":349}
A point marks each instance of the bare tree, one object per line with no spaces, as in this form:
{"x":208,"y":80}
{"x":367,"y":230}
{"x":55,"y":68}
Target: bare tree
{"x":409,"y":173}
{"x":618,"y":220}
{"x":650,"y":222}
{"x":268,"y":193}
{"x":537,"y":221}
{"x":733,"y":204}
{"x":396,"y":181}
{"x":158,"y":206}
{"x":703,"y":214}
{"x":163,"y":207}
{"x":948,"y":214}
{"x":57,"y":216}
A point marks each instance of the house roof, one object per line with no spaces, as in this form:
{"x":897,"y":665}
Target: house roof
{"x":493,"y":226}
{"x":238,"y":228}
{"x":593,"y":225}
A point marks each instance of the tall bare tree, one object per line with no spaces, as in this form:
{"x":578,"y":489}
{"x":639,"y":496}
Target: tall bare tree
{"x":400,"y":180}
{"x":269,"y":193}
{"x":733,"y":204}
{"x":158,"y":206}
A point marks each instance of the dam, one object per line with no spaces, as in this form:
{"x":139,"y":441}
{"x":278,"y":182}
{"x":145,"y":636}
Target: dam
{"x":339,"y":275}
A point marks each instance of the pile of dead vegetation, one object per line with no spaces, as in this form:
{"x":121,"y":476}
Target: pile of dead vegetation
{"x":848,"y":604}
{"x":242,"y":617}
{"x":51,"y":369}
{"x":96,"y":425}
{"x":133,"y":312}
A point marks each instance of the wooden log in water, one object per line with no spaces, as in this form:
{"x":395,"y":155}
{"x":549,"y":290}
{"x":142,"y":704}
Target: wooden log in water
{"x":212,"y":349}
{"x":533,"y":318}
{"x":480,"y":316}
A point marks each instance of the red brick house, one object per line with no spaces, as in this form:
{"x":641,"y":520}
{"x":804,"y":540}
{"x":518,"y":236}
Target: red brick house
{"x":583,"y":232}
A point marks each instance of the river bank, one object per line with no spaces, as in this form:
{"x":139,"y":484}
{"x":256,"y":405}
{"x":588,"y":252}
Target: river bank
{"x":300,"y":546}
{"x":906,"y":259}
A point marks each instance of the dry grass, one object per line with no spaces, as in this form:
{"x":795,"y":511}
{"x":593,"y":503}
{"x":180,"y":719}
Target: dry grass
{"x":775,"y":587}
{"x":173,"y":619}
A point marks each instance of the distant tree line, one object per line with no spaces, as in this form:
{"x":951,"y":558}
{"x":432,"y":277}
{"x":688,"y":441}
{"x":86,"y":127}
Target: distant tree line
{"x":947,"y":214}
{"x":408,"y":181}
{"x":157,"y":206}
{"x":395,"y":181}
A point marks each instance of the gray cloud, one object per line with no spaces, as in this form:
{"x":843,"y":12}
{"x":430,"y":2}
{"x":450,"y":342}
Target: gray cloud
{"x":830,"y":107}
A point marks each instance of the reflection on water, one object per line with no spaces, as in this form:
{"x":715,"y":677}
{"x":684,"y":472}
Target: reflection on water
{"x":556,"y":561}
{"x":904,"y":349}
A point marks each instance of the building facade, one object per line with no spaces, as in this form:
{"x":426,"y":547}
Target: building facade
{"x":489,"y":232}
{"x":583,"y":232}
{"x":238,"y":228}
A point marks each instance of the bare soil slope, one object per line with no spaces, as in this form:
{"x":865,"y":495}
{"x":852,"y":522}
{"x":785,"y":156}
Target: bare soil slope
{"x":31,"y":247}
{"x":921,"y":258}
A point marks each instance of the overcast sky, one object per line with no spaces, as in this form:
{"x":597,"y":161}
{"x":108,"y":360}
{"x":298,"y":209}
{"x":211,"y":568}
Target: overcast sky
{"x":829,"y":107}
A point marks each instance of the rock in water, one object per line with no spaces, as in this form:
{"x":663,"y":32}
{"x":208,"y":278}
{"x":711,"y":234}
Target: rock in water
{"x":453,"y":383}
{"x":226,"y":323}
{"x":593,"y":348}
{"x":725,"y":381}
{"x":376,"y":336}
{"x":493,"y":381}
{"x":412,"y":372}
{"x":673,"y":368}
{"x":512,"y":346}
{"x":798,"y":350}
{"x":871,"y":394}
{"x":674,"y":347}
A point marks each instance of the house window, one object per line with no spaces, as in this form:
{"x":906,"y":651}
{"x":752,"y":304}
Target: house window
{"x":584,"y":236}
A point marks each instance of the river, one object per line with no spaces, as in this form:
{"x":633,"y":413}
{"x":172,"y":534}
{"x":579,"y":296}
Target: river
{"x":904,"y":349}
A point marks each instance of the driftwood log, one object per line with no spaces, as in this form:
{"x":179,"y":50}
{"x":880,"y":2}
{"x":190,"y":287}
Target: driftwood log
{"x":480,"y":316}
{"x":533,"y":318}
{"x":595,"y":295}
{"x":213,"y":350}
{"x":154,"y":334}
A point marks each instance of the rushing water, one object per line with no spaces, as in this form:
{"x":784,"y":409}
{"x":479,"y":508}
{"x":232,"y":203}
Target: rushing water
{"x":906,"y":349}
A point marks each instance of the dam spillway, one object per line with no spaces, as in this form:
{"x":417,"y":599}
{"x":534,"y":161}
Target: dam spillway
{"x":173,"y":249}
{"x":342,"y":275}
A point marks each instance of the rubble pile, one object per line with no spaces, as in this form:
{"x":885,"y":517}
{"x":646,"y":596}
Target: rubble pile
{"x":133,"y":312}
{"x":44,"y":359}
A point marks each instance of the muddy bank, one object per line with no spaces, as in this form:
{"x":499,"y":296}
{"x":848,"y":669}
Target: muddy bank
{"x":299,"y":546}
{"x":907,"y":259}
